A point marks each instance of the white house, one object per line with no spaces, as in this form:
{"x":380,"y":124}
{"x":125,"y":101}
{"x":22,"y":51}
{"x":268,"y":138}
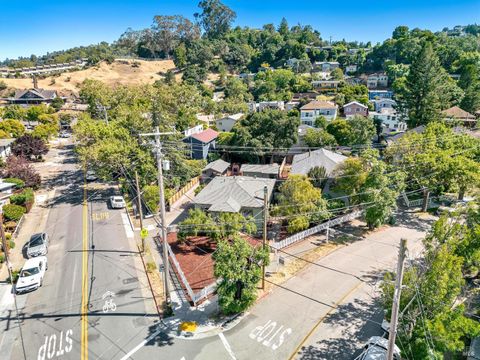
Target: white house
{"x":326,"y":65}
{"x":316,"y":108}
{"x":325,"y":85}
{"x":228,"y":122}
{"x":377,"y":80}
{"x":390,"y":120}
{"x":350,"y":69}
{"x":276,"y":105}
{"x":384,"y":104}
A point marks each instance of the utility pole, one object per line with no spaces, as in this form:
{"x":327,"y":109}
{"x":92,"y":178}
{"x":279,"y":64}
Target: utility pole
{"x":396,"y":300}
{"x":140,"y":210}
{"x":161,"y":191}
{"x":265,"y":214}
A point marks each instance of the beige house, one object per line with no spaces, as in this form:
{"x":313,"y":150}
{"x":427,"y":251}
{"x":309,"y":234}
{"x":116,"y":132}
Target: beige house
{"x":316,"y":108}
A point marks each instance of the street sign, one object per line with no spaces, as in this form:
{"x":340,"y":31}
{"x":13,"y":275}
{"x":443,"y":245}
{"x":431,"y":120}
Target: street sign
{"x":143,"y":233}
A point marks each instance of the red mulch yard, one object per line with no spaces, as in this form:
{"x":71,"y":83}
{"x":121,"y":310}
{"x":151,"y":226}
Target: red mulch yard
{"x":195,"y":258}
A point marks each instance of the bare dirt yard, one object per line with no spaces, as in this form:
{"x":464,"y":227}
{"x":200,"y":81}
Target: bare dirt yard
{"x":120,"y":72}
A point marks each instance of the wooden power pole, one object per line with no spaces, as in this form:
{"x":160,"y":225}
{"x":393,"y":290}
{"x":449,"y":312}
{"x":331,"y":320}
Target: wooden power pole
{"x":392,"y":333}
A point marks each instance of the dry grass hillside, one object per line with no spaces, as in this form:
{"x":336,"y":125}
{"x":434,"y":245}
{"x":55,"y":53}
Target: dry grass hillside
{"x":126,"y":72}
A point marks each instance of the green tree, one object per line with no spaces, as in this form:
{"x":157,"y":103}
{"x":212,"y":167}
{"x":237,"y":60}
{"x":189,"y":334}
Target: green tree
{"x":301,"y":203}
{"x":180,"y":55}
{"x":14,"y":112}
{"x":319,"y":138}
{"x":12,"y":127}
{"x":238,"y":266}
{"x":341,"y":131}
{"x":151,"y":197}
{"x":351,"y":176}
{"x":318,"y":176}
{"x":215,"y":18}
{"x":424,"y":87}
{"x":362,"y":130}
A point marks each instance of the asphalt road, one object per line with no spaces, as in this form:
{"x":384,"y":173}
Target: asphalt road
{"x":120,"y":309}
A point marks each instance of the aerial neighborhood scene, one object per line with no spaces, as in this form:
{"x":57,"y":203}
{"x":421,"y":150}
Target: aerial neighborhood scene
{"x":240,"y":180}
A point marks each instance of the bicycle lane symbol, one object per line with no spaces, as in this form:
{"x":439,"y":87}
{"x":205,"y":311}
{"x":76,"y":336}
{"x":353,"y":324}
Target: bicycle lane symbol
{"x":109,"y":303}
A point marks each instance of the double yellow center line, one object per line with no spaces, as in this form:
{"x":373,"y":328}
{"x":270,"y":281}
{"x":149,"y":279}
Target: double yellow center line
{"x":84,"y":310}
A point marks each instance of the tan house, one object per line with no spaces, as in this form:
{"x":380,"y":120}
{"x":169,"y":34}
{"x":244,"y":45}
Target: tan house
{"x":355,"y":108}
{"x":458,"y":114}
{"x":316,"y":108}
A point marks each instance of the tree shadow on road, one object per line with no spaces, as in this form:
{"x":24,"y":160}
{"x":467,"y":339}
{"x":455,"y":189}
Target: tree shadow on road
{"x":359,"y":320}
{"x":161,"y":338}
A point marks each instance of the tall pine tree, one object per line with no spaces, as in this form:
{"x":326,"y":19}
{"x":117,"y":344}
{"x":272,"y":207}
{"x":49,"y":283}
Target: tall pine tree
{"x":424,"y":87}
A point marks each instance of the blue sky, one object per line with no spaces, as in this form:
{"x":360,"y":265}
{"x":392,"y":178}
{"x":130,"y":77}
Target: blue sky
{"x":35,"y":27}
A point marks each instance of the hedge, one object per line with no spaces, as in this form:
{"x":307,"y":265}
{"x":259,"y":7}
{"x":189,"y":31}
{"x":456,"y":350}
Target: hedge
{"x":19,"y":182}
{"x":22,"y":198}
{"x":13,"y":212}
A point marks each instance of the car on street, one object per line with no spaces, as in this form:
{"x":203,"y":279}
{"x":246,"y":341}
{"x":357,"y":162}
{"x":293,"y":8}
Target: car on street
{"x":376,"y":349}
{"x":65,"y":134}
{"x":31,"y":275}
{"x":117,"y":202}
{"x":38,"y":245}
{"x":91,"y":176}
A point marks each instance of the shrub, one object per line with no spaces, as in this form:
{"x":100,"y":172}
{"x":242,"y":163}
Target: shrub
{"x":2,"y":258}
{"x":15,"y":275}
{"x":26,"y":196}
{"x":19,"y":182}
{"x":11,"y":244}
{"x":13,"y":212}
{"x":151,"y":267}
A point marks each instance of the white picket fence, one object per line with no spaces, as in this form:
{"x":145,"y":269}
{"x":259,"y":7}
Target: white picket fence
{"x":303,"y":234}
{"x":195,"y":297}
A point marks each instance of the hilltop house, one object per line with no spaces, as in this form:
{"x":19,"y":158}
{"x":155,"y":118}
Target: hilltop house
{"x":325,"y":85}
{"x":303,"y":163}
{"x":316,"y":108}
{"x":355,"y":108}
{"x":457,"y":114}
{"x":377,"y":80}
{"x":235,"y":194}
{"x":215,"y":168}
{"x":33,"y":96}
{"x":201,"y":143}
{"x":228,"y":122}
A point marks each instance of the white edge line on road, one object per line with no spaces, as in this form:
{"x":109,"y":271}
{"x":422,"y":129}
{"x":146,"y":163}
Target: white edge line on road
{"x":227,"y":346}
{"x":142,"y":344}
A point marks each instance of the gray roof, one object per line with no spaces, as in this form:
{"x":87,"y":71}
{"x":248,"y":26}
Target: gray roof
{"x":474,"y":350}
{"x":232,"y":193}
{"x":6,"y":142}
{"x":419,"y":130}
{"x":302,"y":163}
{"x":40,"y":93}
{"x":217,"y":165}
{"x":268,"y":169}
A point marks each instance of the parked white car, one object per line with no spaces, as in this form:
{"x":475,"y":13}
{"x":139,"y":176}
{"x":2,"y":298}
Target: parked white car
{"x":38,"y":245}
{"x":117,"y":202}
{"x":376,"y":349}
{"x":31,"y":276}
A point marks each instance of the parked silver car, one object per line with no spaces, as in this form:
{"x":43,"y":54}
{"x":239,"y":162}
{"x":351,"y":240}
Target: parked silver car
{"x":38,"y":245}
{"x":117,"y":202}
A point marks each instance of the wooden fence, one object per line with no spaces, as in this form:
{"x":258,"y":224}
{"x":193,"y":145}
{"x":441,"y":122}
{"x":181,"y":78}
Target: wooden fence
{"x":303,"y":234}
{"x":183,"y":191}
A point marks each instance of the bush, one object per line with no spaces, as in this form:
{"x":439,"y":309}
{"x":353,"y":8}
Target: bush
{"x":19,"y":182}
{"x":2,"y":258}
{"x":13,"y":212}
{"x":11,"y":244}
{"x":151,"y":267}
{"x":26,"y":196}
{"x":15,"y":275}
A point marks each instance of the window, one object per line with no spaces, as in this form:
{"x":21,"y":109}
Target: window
{"x":327,"y":112}
{"x":358,"y":109}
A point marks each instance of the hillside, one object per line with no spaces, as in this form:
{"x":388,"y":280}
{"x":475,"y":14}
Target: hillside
{"x":119,"y":72}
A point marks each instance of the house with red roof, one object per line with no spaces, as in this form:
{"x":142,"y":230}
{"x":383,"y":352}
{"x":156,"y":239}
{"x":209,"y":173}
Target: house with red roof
{"x":201,"y":143}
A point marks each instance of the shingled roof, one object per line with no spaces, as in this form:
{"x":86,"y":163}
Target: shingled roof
{"x":302,"y":163}
{"x":232,"y":193}
{"x":40,"y":93}
{"x":456,"y":113}
{"x":206,"y":136}
{"x":218,"y":165}
{"x":318,"y":104}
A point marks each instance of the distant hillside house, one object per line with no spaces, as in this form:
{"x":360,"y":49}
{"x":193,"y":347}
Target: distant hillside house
{"x":380,"y":94}
{"x":33,"y":96}
{"x":228,"y":122}
{"x":235,"y":194}
{"x":380,"y":104}
{"x":350,"y":69}
{"x":377,"y":80}
{"x":269,"y":171}
{"x":458,"y":114}
{"x":275,"y":105}
{"x":391,"y":122}
{"x":215,"y":168}
{"x":201,"y":143}
{"x":303,"y":163}
{"x":325,"y":85}
{"x":316,"y":108}
{"x":325,"y":65}
{"x":355,"y":108}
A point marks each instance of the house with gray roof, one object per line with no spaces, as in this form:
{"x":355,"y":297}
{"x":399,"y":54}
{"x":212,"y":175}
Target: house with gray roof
{"x":215,"y":168}
{"x":33,"y":96}
{"x":303,"y":163}
{"x":235,"y":194}
{"x":268,"y":171}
